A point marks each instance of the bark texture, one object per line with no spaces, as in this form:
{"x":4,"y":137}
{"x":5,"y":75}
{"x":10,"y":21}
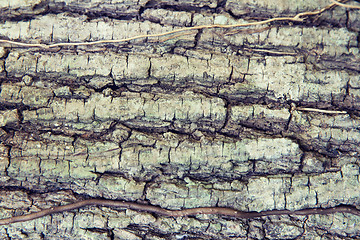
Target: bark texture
{"x":208,"y":118}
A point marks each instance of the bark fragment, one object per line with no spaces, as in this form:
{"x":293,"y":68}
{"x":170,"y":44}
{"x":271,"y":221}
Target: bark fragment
{"x":213,"y":117}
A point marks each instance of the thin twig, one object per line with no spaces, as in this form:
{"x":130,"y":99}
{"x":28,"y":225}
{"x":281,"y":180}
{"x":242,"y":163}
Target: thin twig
{"x":273,"y":52}
{"x":320,"y":110}
{"x":345,"y":5}
{"x":297,"y":18}
{"x":178,"y":213}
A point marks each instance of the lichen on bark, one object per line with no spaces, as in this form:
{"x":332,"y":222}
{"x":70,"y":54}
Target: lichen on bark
{"x":205,"y":118}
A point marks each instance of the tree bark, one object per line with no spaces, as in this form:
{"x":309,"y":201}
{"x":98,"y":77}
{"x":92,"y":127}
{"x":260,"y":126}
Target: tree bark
{"x":254,"y":118}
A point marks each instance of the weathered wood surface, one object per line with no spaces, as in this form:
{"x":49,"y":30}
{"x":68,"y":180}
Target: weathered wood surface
{"x":212,"y":117}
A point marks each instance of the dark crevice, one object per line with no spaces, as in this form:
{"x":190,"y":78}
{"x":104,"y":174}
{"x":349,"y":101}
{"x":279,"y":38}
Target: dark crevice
{"x":221,"y":4}
{"x":227,"y":115}
{"x":8,"y":16}
{"x":197,"y":37}
{"x":17,"y":188}
{"x":8,"y":155}
{"x":95,"y":12}
{"x":118,"y":89}
{"x":99,"y":230}
{"x":311,"y":147}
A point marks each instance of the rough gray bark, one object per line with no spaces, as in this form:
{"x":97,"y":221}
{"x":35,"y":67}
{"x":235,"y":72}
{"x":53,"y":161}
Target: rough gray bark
{"x":198,"y":120}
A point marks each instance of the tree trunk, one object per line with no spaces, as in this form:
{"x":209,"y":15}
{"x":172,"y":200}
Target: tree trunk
{"x":254,"y":118}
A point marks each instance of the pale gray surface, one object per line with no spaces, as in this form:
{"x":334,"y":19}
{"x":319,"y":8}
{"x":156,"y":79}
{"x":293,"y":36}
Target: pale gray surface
{"x":200,"y":120}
